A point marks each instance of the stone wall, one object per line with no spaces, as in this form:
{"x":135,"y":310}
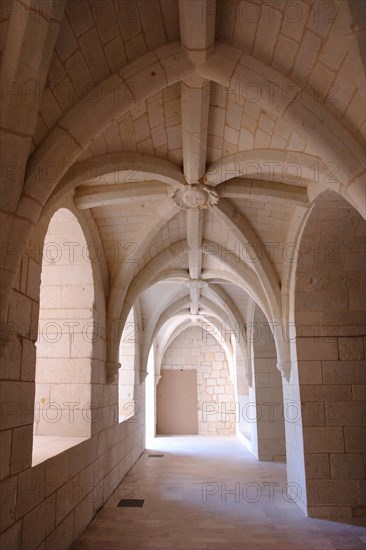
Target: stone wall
{"x":49,"y":505}
{"x":128,"y":349}
{"x":267,"y":422}
{"x":67,"y":330}
{"x":330,"y":316}
{"x":194,"y":348}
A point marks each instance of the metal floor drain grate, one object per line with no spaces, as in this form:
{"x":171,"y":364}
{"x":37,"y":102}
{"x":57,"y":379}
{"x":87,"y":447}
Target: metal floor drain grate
{"x":131,"y":503}
{"x":155,"y":456}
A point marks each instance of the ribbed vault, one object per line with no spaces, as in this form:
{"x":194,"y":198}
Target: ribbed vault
{"x":196,"y":189}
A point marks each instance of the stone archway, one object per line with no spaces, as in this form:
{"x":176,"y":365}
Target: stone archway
{"x":68,"y":339}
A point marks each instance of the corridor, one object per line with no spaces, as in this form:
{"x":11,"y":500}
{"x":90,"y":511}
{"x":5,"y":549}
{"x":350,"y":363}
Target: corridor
{"x":183,"y":251}
{"x":210,"y":493}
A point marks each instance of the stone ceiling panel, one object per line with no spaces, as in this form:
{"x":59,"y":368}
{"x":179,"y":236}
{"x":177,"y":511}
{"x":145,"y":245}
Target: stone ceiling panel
{"x":96,"y":39}
{"x":311,"y":42}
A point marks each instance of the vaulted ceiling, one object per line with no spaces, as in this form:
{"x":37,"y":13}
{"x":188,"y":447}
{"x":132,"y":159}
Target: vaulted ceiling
{"x":197,"y":134}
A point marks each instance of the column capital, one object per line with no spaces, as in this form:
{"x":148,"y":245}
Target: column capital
{"x":285,"y":369}
{"x":143,"y":375}
{"x":111,"y":370}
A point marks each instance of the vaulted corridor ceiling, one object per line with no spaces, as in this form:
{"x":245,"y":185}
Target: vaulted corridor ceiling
{"x":211,"y":154}
{"x":199,"y":133}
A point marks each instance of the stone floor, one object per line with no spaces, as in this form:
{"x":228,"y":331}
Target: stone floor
{"x":188,"y":506}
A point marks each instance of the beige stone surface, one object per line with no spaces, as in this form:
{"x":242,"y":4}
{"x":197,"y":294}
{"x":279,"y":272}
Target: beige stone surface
{"x":177,"y":166}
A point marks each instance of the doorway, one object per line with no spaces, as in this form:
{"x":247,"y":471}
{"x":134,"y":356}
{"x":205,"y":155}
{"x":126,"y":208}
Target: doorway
{"x":177,"y":403}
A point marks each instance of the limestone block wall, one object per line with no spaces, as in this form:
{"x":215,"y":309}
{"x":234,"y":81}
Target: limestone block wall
{"x":267,"y":418}
{"x":126,"y":377}
{"x":68,"y":333}
{"x":244,"y":424}
{"x":49,"y":505}
{"x":194,"y":348}
{"x":331,"y":320}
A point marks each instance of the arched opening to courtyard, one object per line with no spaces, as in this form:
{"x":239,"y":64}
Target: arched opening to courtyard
{"x":67,"y":337}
